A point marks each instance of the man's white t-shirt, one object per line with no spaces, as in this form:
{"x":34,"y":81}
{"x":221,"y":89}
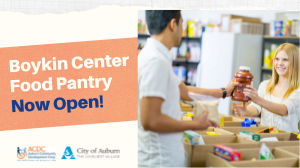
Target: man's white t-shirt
{"x":157,"y":79}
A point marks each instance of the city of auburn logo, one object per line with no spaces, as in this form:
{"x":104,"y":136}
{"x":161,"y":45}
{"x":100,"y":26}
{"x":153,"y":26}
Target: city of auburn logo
{"x":21,"y":153}
{"x":68,"y":153}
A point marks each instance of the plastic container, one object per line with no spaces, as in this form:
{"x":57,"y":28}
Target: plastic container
{"x":244,"y":77}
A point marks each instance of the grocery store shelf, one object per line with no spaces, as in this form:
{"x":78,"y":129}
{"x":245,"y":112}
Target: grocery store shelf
{"x":183,"y":38}
{"x":266,"y":69}
{"x":182,"y":61}
{"x":290,"y":39}
{"x":143,"y":35}
{"x":265,"y":36}
{"x":192,"y":62}
{"x":191,"y":38}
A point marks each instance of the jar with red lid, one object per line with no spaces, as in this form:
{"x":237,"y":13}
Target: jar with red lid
{"x":244,"y":77}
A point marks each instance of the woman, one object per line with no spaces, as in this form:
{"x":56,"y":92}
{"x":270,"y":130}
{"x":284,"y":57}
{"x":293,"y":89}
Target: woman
{"x":277,"y":99}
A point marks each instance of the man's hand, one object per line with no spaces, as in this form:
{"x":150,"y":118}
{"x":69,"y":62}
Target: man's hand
{"x":229,"y":88}
{"x":202,"y":121}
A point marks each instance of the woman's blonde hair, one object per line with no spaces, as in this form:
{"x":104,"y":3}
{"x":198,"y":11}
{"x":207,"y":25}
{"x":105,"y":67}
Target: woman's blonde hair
{"x":293,"y":77}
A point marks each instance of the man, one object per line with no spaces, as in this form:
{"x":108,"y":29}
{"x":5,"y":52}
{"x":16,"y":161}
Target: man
{"x":159,"y":90}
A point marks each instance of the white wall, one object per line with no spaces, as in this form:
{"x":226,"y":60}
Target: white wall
{"x":214,"y":16}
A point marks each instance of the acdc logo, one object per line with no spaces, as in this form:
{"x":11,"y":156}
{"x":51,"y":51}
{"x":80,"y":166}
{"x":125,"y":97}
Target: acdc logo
{"x":36,"y":149}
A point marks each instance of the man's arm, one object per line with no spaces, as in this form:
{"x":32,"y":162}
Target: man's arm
{"x":218,"y":93}
{"x":153,"y":120}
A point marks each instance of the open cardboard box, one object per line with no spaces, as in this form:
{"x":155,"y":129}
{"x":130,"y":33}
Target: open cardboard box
{"x":223,"y":115}
{"x":280,"y":144}
{"x":196,"y":154}
{"x":281,"y":135}
{"x":292,"y":149}
{"x":216,"y":130}
{"x":282,"y":159}
{"x":230,"y":121}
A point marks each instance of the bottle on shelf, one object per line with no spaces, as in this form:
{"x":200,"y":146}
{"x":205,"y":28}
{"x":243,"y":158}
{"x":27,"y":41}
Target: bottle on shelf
{"x":267,"y":59}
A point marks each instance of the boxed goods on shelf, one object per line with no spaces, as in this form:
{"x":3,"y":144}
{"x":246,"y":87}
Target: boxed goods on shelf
{"x":227,"y":153}
{"x":226,"y":19}
{"x":294,"y":136}
{"x":239,"y":25}
{"x":197,"y":153}
{"x":193,"y":138}
{"x":282,"y":159}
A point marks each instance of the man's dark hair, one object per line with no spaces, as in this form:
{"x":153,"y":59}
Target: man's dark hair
{"x":157,"y":20}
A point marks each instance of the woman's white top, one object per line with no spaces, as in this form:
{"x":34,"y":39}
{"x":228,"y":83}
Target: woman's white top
{"x":287,"y":123}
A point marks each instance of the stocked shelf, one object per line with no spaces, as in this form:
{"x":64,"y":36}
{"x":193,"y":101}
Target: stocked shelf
{"x":290,"y":39}
{"x":143,"y":35}
{"x":266,"y":69}
{"x":183,"y":61}
{"x":183,"y":38}
{"x":279,"y":40}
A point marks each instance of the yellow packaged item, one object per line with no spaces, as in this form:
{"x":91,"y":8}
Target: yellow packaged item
{"x":253,"y":159}
{"x":211,"y":133}
{"x":189,"y":114}
{"x":269,"y":130}
{"x":221,"y":121}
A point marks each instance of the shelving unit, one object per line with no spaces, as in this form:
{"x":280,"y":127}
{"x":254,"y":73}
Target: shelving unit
{"x":278,"y":40}
{"x":183,"y":61}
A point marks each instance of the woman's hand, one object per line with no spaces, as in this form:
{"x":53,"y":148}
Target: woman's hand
{"x":240,"y":110}
{"x":251,"y":92}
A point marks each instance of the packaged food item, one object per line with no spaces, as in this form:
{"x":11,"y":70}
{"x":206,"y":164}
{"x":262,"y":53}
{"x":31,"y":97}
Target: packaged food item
{"x":270,"y":139}
{"x":211,"y":133}
{"x":250,"y":135}
{"x":192,"y":138}
{"x":227,"y":153}
{"x":278,"y":28}
{"x":265,"y":153}
{"x":244,"y":77}
{"x":253,"y":159}
{"x":191,"y":115}
{"x":269,"y":130}
{"x":212,"y":106}
{"x":221,"y":122}
{"x":294,"y":136}
{"x":249,"y":123}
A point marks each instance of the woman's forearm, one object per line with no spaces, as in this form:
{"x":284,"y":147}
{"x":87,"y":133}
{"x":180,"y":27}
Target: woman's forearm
{"x":251,"y":111}
{"x":275,"y":108}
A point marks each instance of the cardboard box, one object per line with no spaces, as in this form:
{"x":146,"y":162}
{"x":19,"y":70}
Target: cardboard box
{"x":281,"y":135}
{"x":282,"y":159}
{"x":236,"y":130}
{"x":187,"y":119}
{"x":188,"y":153}
{"x":216,"y":130}
{"x":223,"y":115}
{"x":292,"y":149}
{"x":197,"y":156}
{"x":232,"y":122}
{"x":226,"y":18}
{"x":280,"y":144}
{"x":186,"y":107}
{"x":230,"y":118}
{"x":240,"y":26}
